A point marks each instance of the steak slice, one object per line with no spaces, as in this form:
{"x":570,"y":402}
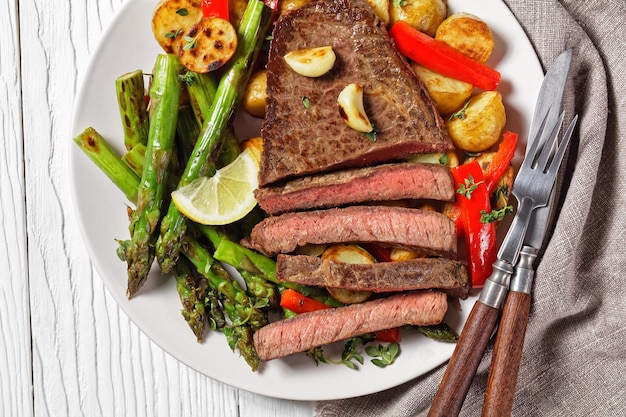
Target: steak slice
{"x":447,"y":275}
{"x":309,"y":330}
{"x":427,"y":231}
{"x":378,"y":183}
{"x":300,"y":140}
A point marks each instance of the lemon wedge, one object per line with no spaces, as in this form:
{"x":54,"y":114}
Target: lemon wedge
{"x":225,"y":197}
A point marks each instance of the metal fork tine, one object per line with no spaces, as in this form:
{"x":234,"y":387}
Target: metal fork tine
{"x":531,"y":154}
{"x":548,"y":146}
{"x":558,"y":157}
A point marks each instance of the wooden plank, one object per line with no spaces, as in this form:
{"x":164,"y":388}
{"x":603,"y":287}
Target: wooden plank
{"x":88,"y":357}
{"x":15,"y":359}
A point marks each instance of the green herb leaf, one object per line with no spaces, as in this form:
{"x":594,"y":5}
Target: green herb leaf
{"x":182,"y":12}
{"x":173,"y":35}
{"x":461,"y":113}
{"x":468,"y":187}
{"x":371,"y":135}
{"x":306,"y":102}
{"x":443,"y":160}
{"x":383,"y":355}
{"x":399,"y":3}
{"x":495,"y":215}
{"x":190,"y":43}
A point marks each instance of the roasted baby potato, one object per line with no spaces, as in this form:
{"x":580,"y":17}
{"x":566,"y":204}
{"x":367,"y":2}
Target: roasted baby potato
{"x":424,"y":15}
{"x":467,"y":33}
{"x":171,"y":18}
{"x":287,"y":5}
{"x":448,"y":94}
{"x":236,"y":8}
{"x":478,"y":125}
{"x":207,"y":45}
{"x":255,"y":95}
{"x":381,"y":9}
{"x":350,"y":254}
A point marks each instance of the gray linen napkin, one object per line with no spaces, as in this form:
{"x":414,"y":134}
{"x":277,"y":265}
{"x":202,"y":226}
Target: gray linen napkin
{"x":574,"y":359}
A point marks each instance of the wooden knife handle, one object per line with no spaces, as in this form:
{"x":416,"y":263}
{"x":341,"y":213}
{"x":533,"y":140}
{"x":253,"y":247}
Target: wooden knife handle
{"x":464,"y":361}
{"x":507,"y":354}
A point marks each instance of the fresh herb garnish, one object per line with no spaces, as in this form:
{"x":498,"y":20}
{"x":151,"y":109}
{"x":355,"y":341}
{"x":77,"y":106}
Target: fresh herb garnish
{"x":495,"y":215}
{"x":383,"y":355}
{"x":306,"y":102}
{"x":182,"y":12}
{"x":371,"y":135}
{"x":467,"y":188}
{"x":443,"y":160}
{"x":461,"y":113}
{"x":190,"y":43}
{"x":399,"y":3}
{"x":173,"y":35}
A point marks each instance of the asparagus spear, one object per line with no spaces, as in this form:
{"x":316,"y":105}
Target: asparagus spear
{"x":109,"y":161}
{"x":192,"y":296}
{"x":131,"y":101}
{"x":255,"y":23}
{"x":135,"y":158}
{"x":103,"y":155}
{"x":202,"y":89}
{"x":164,"y":98}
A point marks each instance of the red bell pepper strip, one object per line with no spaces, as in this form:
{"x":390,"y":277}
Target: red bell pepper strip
{"x":480,"y":237}
{"x":442,"y":58}
{"x":380,"y":253}
{"x":492,"y":175}
{"x":389,"y":335}
{"x":294,"y":301}
{"x":215,"y":8}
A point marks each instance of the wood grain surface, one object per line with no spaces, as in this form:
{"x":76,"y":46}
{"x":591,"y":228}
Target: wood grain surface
{"x":66,"y":349}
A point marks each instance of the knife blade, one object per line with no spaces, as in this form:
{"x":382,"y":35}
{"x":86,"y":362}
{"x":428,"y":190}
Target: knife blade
{"x":485,"y":312}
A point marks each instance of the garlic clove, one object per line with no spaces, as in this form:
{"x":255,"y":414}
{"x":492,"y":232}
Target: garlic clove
{"x":350,"y":103}
{"x":311,"y":62}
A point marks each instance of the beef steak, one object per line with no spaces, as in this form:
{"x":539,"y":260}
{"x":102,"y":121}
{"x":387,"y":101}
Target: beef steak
{"x":308,"y":330}
{"x":427,"y":231}
{"x":447,"y":275}
{"x":385,"y":182}
{"x":302,"y":139}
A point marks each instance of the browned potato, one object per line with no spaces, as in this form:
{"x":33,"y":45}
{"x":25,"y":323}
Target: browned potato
{"x":171,"y":18}
{"x":424,"y":15}
{"x":381,"y":9}
{"x":207,"y":45}
{"x":467,"y":33}
{"x":236,"y":9}
{"x":287,"y":5}
{"x":477,"y":127}
{"x":255,"y":95}
{"x":350,"y":254}
{"x":448,"y":94}
{"x":449,"y":159}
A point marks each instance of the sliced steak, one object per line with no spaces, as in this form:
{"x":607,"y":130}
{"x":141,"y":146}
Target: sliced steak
{"x":300,"y":140}
{"x":428,"y":231}
{"x":447,"y":275}
{"x":308,"y":330}
{"x":378,"y":183}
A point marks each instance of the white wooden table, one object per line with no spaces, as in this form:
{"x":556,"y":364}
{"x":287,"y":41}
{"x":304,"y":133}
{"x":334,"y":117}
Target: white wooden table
{"x":66,"y":349}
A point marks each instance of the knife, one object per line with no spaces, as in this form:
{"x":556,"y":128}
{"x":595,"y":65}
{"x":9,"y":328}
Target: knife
{"x":484,"y":315}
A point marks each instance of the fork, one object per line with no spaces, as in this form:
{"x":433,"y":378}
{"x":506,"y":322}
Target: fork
{"x":532,"y":189}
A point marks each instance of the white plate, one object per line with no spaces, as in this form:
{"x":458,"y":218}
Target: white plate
{"x":127,"y":45}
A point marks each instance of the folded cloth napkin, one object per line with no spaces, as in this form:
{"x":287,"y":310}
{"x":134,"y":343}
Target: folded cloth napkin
{"x":574,"y":358}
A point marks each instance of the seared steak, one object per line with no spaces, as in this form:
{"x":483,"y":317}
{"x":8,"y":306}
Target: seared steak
{"x":378,"y":183}
{"x":427,"y":231}
{"x":416,"y":274}
{"x":303,"y":139}
{"x":308,"y":330}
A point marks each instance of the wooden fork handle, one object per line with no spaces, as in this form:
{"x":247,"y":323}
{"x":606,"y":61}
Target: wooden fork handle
{"x":464,"y":361}
{"x":507,"y":354}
